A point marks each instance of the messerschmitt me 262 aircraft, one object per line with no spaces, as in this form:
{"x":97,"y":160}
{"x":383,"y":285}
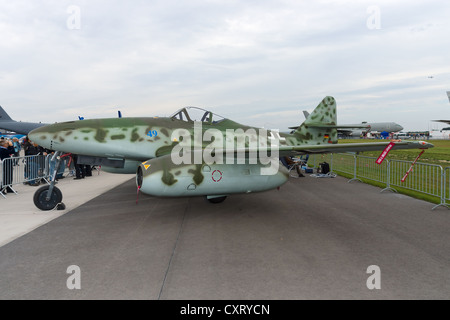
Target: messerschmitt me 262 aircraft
{"x":196,"y":152}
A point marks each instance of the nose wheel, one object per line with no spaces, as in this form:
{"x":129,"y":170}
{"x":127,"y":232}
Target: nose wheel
{"x":216,"y":199}
{"x":46,"y":199}
{"x":50,"y":197}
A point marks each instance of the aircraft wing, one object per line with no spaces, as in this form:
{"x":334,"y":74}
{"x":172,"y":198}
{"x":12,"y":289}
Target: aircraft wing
{"x":6,"y":123}
{"x":345,"y":131}
{"x":443,"y":121}
{"x":333,"y":148}
{"x":352,"y":147}
{"x":338,"y":127}
{"x":20,"y":127}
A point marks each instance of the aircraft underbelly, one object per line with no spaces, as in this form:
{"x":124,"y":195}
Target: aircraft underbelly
{"x":166,"y":180}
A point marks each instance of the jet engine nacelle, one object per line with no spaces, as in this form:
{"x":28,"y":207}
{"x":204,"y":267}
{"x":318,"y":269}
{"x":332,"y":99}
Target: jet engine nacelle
{"x":111,"y":165}
{"x":160,"y":177}
{"x":130,"y":166}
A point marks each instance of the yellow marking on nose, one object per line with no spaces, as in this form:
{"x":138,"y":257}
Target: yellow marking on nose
{"x":146,"y":166}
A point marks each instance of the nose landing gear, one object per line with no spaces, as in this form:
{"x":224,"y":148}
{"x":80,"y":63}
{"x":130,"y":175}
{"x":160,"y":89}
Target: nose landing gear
{"x":46,"y":199}
{"x":50,"y":197}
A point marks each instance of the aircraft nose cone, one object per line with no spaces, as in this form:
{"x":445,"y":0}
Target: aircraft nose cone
{"x":38,"y":136}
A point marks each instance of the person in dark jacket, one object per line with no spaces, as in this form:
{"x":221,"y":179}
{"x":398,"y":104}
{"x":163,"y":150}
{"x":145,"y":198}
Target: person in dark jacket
{"x":6,"y":150}
{"x":32,"y":164}
{"x":80,"y":169}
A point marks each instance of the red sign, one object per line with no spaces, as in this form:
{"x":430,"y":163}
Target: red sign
{"x":411,"y":168}
{"x":385,"y":153}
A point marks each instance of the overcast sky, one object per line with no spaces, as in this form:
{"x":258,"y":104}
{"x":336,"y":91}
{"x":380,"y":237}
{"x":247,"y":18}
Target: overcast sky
{"x":254,"y":61}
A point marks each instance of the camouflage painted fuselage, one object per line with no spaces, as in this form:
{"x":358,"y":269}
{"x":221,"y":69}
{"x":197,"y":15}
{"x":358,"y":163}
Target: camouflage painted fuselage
{"x":135,"y":138}
{"x":150,"y":143}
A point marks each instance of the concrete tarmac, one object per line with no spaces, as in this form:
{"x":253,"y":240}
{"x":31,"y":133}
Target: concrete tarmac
{"x":313,"y":239}
{"x":19,"y":215}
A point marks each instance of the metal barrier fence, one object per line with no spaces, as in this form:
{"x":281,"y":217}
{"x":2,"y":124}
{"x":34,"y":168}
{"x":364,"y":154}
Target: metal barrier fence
{"x":446,"y":187}
{"x":26,"y":170}
{"x":424,"y":178}
{"x":1,"y":179}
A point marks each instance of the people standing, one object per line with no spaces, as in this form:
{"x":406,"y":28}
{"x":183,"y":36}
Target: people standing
{"x":80,"y":169}
{"x":32,"y":165}
{"x":17,"y":148}
{"x":6,"y":150}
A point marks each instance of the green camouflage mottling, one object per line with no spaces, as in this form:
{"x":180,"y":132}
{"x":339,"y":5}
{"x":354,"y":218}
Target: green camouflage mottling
{"x":153,"y":139}
{"x":309,"y":133}
{"x":160,"y":177}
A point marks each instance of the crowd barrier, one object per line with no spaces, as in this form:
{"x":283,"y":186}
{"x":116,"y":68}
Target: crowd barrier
{"x":429,"y":179}
{"x":425,"y":178}
{"x":26,"y":170}
{"x":446,"y":186}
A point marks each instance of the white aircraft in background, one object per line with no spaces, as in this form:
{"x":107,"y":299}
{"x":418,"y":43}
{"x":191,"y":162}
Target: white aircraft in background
{"x":365,"y":127}
{"x":445,"y":121}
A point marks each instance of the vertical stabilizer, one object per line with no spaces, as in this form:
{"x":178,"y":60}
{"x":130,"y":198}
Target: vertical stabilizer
{"x":320,"y":127}
{"x":3,"y":115}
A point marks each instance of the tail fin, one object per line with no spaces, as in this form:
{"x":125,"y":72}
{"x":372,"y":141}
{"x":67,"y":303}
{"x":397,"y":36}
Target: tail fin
{"x":320,"y":126}
{"x":306,"y":114}
{"x":3,"y":115}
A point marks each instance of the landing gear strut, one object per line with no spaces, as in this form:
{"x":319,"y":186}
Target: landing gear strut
{"x":50,"y":197}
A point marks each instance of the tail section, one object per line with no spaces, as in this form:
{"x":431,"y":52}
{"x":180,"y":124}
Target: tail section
{"x":3,"y":115}
{"x":320,"y":126}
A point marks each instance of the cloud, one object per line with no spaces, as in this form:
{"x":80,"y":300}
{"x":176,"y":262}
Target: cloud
{"x":239,"y":58}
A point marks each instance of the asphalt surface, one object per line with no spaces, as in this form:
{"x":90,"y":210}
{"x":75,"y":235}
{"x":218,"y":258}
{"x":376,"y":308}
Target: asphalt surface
{"x":313,"y":239}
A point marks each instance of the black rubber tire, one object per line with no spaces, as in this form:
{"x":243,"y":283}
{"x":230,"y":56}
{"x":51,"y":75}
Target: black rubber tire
{"x":217,"y":200}
{"x":40,"y":201}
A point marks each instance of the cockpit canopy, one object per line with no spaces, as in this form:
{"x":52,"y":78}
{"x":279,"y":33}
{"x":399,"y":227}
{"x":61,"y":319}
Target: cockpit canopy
{"x":191,"y":114}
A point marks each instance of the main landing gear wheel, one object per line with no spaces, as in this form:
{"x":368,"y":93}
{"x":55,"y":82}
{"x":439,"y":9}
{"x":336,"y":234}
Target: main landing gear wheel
{"x":216,"y":199}
{"x":45,"y":203}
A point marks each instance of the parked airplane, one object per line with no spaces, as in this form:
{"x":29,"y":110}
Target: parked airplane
{"x":201,"y":154}
{"x":373,"y":127}
{"x":19,"y":127}
{"x":23,"y":128}
{"x":445,"y":121}
{"x":11,"y":135}
{"x":357,"y":130}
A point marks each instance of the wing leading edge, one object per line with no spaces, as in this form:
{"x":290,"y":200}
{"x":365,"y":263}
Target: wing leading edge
{"x":352,"y":147}
{"x":330,"y":148}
